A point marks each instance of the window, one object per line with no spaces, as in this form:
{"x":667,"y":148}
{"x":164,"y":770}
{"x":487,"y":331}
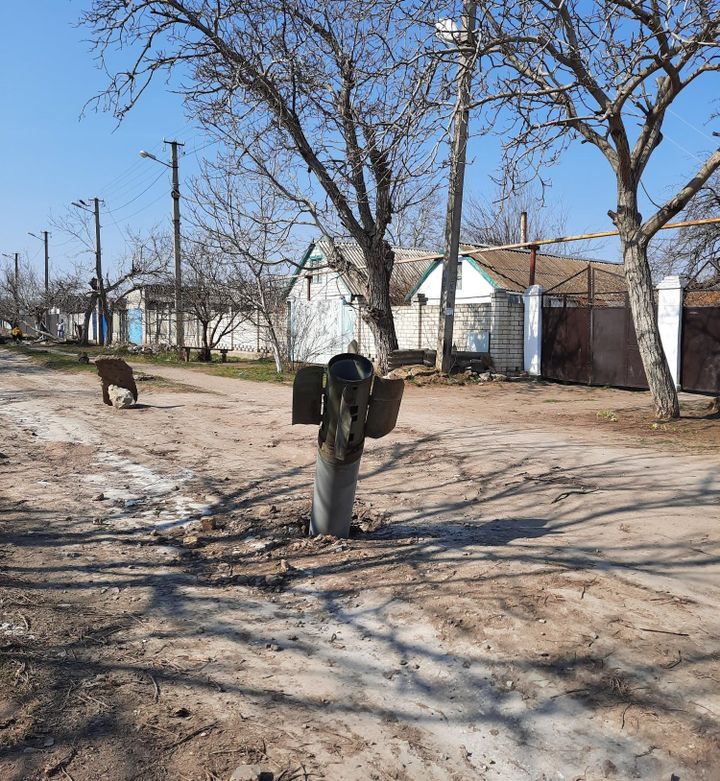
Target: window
{"x":458,"y":286}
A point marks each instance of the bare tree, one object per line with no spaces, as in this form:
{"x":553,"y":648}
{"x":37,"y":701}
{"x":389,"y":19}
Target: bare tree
{"x":147,"y":261}
{"x":11,"y":292}
{"x":26,"y":299}
{"x":245,"y":219}
{"x":694,"y":252}
{"x":209,"y":293}
{"x":419,"y":225}
{"x":496,"y":221}
{"x":77,"y":223}
{"x":603,"y":73}
{"x":335,"y":89}
{"x":23,"y":297}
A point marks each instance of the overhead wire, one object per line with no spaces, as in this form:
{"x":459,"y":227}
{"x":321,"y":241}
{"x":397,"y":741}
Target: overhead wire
{"x":144,"y":208}
{"x":139,"y":195}
{"x":138,"y":163}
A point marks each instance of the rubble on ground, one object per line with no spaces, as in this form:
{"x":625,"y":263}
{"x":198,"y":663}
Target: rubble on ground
{"x":475,"y":372}
{"x":121,"y":398}
{"x":114,"y":372}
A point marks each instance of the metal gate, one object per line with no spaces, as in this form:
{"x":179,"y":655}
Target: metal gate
{"x":588,"y":334}
{"x":700,"y":368}
{"x":566,"y":343}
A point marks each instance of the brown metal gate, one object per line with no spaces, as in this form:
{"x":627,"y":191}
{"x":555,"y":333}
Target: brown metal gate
{"x":614,"y":349}
{"x":700,"y":370}
{"x":592,"y":345}
{"x":566,"y":343}
{"x":587,"y":333}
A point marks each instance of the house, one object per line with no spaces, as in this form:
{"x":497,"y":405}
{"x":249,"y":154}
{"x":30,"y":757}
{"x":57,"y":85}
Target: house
{"x":325,"y":308}
{"x":482,"y":270}
{"x":147,"y":317}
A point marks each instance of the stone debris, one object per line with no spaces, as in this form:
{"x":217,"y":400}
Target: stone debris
{"x":121,"y":398}
{"x":408,"y":372}
{"x":115,"y":372}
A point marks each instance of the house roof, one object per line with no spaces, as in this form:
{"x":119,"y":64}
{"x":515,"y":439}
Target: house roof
{"x":510,"y":269}
{"x":409,"y":268}
{"x":504,"y":269}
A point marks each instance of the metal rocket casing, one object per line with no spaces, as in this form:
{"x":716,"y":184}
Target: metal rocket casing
{"x":350,"y":404}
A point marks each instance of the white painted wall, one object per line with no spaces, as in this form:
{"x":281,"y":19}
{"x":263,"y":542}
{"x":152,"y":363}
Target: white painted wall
{"x":320,"y":328}
{"x":324,"y":324}
{"x":532,"y":330}
{"x":475,"y":288}
{"x":325,"y":284}
{"x":670,"y":309}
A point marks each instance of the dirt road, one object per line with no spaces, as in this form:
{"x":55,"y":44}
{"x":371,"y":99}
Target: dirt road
{"x":531,"y":603}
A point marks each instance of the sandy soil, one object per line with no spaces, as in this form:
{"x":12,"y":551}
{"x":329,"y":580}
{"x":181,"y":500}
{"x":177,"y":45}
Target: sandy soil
{"x":531,"y":593}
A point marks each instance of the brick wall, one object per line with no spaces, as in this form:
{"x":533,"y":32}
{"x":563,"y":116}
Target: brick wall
{"x":506,"y":339}
{"x":416,"y":326}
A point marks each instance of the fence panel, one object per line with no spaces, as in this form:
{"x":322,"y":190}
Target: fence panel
{"x":566,"y":343}
{"x":700,"y":370}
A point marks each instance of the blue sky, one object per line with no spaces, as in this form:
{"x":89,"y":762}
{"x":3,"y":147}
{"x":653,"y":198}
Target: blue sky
{"x":50,"y":156}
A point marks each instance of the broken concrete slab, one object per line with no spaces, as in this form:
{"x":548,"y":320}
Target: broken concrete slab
{"x":114,"y":371}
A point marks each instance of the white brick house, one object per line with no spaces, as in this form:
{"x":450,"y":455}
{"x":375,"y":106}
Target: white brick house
{"x":325,"y":310}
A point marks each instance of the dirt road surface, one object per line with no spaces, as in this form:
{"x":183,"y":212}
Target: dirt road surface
{"x":523,"y":600}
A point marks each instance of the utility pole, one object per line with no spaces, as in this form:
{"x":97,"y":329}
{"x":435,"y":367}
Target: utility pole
{"x":44,"y":239}
{"x":47,"y":266}
{"x":465,"y":39}
{"x":17,"y":286}
{"x":98,"y":272}
{"x":175,"y":192}
{"x":100,"y":285}
{"x":179,"y":319}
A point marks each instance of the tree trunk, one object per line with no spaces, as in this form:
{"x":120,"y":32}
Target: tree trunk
{"x":205,"y":354}
{"x":108,"y":315}
{"x":275,"y":344}
{"x":85,"y":338}
{"x":642,"y":306}
{"x":378,"y":311}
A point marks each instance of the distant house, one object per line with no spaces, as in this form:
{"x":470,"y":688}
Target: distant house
{"x":148,"y":317}
{"x":325,"y":307}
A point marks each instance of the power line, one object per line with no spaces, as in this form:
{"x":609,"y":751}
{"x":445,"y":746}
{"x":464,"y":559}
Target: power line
{"x":131,"y":185}
{"x":690,"y":124}
{"x":144,"y":208}
{"x":139,"y":195}
{"x":137,"y":164}
{"x":204,"y":146}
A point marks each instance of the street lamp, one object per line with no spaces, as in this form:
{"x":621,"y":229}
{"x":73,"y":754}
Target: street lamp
{"x":151,"y":156}
{"x":175,"y":192}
